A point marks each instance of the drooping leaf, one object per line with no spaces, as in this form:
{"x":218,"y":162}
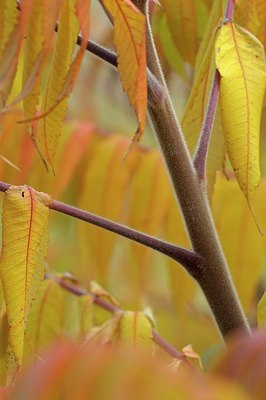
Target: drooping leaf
{"x":46,"y":318}
{"x":240,"y":60}
{"x":16,"y":25}
{"x":130,"y":41}
{"x":148,"y":182}
{"x":182,"y":23}
{"x":24,"y":246}
{"x":108,"y":152}
{"x":186,"y":21}
{"x":49,"y":127}
{"x":40,"y":34}
{"x":74,"y":150}
{"x":9,"y":47}
{"x":167,"y":46}
{"x":243,"y":245}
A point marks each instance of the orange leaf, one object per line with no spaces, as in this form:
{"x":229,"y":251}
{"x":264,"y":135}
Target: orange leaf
{"x":130,"y":41}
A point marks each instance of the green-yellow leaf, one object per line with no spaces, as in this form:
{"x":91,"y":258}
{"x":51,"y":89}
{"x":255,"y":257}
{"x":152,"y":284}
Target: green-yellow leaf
{"x":240,"y":60}
{"x":24,"y":245}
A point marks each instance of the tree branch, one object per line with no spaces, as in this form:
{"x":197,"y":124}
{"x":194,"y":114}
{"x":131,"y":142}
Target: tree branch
{"x":112,"y":308}
{"x":200,"y":159}
{"x":216,"y":281}
{"x":188,"y":259}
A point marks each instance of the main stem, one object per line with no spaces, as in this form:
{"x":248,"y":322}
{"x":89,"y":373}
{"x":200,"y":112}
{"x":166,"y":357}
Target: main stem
{"x":215,"y":279}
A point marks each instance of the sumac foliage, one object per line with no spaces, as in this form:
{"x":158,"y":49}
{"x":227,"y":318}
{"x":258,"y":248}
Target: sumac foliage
{"x":162,"y":238}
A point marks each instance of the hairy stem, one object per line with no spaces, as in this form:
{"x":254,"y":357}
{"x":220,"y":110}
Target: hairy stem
{"x":215,"y":280}
{"x":190,"y":260}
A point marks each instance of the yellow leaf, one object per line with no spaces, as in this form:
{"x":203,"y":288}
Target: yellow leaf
{"x":16,"y":26}
{"x":108,"y":184}
{"x":148,"y":182}
{"x":182,"y":19}
{"x":42,"y":21}
{"x":50,"y":125}
{"x":135,"y":331}
{"x":167,"y":46}
{"x":45,"y":320}
{"x":24,"y":246}
{"x":243,"y":245}
{"x":240,"y":60}
{"x":261,"y":312}
{"x":130,"y":41}
{"x":8,"y":19}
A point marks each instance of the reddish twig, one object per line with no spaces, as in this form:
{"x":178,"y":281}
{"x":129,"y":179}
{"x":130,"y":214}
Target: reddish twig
{"x":188,"y":259}
{"x":112,"y":308}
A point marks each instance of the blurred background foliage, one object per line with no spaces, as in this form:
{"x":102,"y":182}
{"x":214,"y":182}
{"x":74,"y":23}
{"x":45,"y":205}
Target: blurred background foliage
{"x":91,"y":173}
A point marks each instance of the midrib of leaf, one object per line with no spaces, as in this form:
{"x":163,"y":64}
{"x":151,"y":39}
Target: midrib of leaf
{"x":247,"y":98}
{"x":28,"y":248}
{"x":129,"y":30}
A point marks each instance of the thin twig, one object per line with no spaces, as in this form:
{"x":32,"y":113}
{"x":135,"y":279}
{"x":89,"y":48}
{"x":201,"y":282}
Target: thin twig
{"x":112,"y":308}
{"x":200,"y":159}
{"x":188,"y":259}
{"x":230,"y":9}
